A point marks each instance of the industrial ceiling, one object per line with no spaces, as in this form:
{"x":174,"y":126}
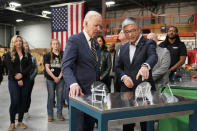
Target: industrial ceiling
{"x":32,"y":9}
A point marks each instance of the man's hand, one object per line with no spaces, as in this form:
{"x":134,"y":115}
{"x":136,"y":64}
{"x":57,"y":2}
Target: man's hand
{"x":128,"y":82}
{"x":20,"y":83}
{"x":101,"y":78}
{"x":144,"y":72}
{"x":18,"y":76}
{"x":75,"y":91}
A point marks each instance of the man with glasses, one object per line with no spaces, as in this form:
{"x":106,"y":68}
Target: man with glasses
{"x":136,"y":60}
{"x":178,"y":51}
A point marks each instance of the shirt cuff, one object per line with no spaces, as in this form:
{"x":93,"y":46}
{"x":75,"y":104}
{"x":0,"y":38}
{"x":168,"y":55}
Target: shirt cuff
{"x":74,"y":84}
{"x":147,"y":65}
{"x":123,"y":77}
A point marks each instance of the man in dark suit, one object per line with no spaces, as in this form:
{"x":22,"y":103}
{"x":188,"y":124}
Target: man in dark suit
{"x":136,"y":59}
{"x":80,"y":65}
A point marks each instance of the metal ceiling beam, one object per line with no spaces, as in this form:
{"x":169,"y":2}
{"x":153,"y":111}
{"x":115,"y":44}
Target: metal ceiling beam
{"x":41,"y":3}
{"x":137,"y":3}
{"x":141,"y":5}
{"x":26,"y":13}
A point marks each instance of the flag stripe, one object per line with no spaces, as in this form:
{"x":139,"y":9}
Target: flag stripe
{"x":56,"y":35}
{"x":79,"y":17}
{"x":74,"y":19}
{"x":62,"y":40}
{"x":82,"y":15}
{"x":71,"y":18}
{"x":77,"y":6}
{"x":66,"y":36}
{"x":52,"y":35}
{"x":69,"y":23}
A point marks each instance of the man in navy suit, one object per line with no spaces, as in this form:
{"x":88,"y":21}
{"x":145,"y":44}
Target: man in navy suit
{"x":136,"y":60}
{"x":80,"y":65}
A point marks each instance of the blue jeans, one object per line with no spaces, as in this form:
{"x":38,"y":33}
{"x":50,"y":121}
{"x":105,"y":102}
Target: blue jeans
{"x":58,"y":88}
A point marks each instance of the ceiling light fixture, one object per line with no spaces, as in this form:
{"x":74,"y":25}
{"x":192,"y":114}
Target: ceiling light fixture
{"x":13,"y":5}
{"x":19,"y":20}
{"x":109,"y":3}
{"x":45,"y":13}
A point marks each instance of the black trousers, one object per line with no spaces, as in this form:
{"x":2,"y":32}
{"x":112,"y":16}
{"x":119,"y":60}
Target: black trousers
{"x":30,"y":88}
{"x":18,"y":97}
{"x":84,"y":122}
{"x":130,"y":127}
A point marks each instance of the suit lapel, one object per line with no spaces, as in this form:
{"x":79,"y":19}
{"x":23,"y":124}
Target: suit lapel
{"x":127,"y":54}
{"x":88,"y":50}
{"x":138,"y":49}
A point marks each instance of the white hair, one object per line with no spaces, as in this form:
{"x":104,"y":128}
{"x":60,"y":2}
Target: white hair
{"x":129,"y":21}
{"x":152,"y":36}
{"x":89,"y":14}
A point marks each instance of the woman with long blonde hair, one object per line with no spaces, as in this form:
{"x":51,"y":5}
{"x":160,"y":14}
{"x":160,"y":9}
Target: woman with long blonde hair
{"x":54,"y":79}
{"x":19,"y":65}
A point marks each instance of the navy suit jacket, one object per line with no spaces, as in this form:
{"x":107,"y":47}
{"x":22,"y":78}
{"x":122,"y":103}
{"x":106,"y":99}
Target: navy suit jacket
{"x":78,"y":64}
{"x":145,"y":53}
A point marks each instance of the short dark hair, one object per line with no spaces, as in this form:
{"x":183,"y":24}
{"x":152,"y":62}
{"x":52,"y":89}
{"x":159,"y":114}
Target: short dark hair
{"x":177,"y":37}
{"x":174,"y":28}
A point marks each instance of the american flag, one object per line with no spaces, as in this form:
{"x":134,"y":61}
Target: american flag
{"x":66,"y":20}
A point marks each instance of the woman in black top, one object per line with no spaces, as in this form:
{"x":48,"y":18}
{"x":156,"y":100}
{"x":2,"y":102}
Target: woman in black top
{"x":105,"y":62}
{"x":19,"y":65}
{"x":54,"y":79}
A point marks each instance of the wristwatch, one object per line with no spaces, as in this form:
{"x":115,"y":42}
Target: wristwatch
{"x":144,"y":65}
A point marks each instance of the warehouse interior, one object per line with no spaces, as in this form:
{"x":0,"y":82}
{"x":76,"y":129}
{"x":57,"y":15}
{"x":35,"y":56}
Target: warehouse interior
{"x":31,"y":19}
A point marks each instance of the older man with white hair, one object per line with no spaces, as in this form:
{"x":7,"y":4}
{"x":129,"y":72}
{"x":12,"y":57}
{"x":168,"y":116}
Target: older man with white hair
{"x":81,"y":63}
{"x":136,"y":60}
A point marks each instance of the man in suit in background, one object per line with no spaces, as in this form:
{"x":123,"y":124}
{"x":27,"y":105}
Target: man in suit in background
{"x":160,"y":70}
{"x":136,"y":60}
{"x":81,"y":62}
{"x":123,"y":40}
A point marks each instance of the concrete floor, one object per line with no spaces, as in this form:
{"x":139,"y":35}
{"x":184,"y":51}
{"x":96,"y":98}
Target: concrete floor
{"x":38,"y":111}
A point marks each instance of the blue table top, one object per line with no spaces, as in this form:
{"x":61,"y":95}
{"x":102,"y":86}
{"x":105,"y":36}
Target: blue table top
{"x":113,"y":102}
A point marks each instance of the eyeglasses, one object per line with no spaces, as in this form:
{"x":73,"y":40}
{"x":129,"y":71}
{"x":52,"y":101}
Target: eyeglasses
{"x":130,"y":31}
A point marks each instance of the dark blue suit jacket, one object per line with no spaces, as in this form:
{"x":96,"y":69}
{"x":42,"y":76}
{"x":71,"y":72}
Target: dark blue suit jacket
{"x":78,"y":64}
{"x":145,"y":53}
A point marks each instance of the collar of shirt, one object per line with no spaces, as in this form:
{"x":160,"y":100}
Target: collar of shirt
{"x":138,"y":40}
{"x":132,"y":49}
{"x":87,"y":38}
